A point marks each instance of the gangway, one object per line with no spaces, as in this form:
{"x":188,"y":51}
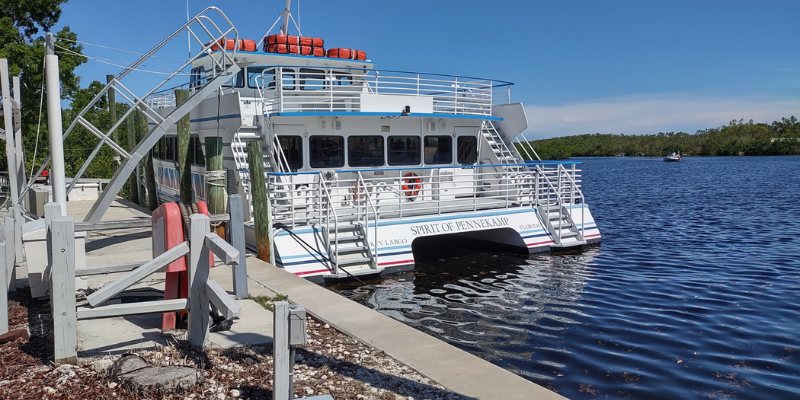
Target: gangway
{"x":207,"y":28}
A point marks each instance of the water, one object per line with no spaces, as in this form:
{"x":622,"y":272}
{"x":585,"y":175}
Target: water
{"x":694,"y":293}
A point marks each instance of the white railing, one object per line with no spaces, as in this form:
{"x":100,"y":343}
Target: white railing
{"x":306,"y":198}
{"x":369,"y":208}
{"x":331,"y":89}
{"x":328,"y":208}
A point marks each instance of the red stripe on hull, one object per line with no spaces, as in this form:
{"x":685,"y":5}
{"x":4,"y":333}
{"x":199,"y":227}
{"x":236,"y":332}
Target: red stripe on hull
{"x":397,"y":262}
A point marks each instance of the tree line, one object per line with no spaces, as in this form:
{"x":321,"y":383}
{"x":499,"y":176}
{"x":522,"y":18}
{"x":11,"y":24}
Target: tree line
{"x":739,"y":137}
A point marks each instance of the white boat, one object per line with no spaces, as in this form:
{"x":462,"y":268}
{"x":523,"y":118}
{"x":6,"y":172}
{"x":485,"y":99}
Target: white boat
{"x":361,"y":161}
{"x":674,"y":157}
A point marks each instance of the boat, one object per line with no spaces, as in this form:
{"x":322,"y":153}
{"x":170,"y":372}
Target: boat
{"x":674,"y":157}
{"x":361,"y":162}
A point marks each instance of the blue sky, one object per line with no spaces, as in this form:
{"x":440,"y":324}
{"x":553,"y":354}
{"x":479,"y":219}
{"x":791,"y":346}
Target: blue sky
{"x":578,"y":66}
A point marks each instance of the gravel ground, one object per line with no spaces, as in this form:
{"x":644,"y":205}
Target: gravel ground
{"x":331,"y":363}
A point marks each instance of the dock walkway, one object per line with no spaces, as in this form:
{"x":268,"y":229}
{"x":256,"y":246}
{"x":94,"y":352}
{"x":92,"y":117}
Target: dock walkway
{"x":455,"y":369}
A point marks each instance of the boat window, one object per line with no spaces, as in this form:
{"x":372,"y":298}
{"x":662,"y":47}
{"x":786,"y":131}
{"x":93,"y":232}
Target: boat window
{"x":288,"y":79}
{"x":293,"y":151}
{"x":404,"y":150}
{"x":312,"y":79}
{"x":198,"y":77}
{"x":365,"y":151}
{"x":326,"y":151}
{"x":256,"y":77}
{"x":236,"y":81}
{"x":196,"y":151}
{"x":343,"y":80}
{"x":438,"y":149}
{"x":170,"y":149}
{"x":467,"y":149}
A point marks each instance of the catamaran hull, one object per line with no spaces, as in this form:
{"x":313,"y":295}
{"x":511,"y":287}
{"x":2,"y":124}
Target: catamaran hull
{"x":302,"y":251}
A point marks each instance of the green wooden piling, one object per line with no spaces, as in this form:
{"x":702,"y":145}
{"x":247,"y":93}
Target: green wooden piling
{"x":215,"y":176}
{"x":149,"y":172}
{"x":133,"y":181}
{"x":184,"y":162}
{"x":258,"y":189}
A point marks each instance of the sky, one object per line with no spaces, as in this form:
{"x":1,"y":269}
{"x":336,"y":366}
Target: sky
{"x":578,"y":66}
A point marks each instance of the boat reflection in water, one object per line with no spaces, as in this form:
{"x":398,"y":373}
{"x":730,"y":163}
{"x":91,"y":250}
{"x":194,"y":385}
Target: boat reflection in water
{"x":499,"y":305}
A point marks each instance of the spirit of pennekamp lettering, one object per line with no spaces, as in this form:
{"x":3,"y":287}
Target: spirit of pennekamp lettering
{"x":458,"y":226}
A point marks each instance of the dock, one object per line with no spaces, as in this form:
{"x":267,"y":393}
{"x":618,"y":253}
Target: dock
{"x":457,"y":370}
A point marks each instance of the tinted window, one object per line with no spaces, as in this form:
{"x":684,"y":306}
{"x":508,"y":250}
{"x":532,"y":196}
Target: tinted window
{"x":288,"y":79}
{"x":344,"y":80}
{"x":404,"y":150}
{"x":256,"y":77}
{"x":293,"y":151}
{"x":312,"y":79}
{"x":438,"y":150}
{"x":365,"y":151}
{"x":467,"y":150}
{"x":326,"y":151}
{"x":196,"y":151}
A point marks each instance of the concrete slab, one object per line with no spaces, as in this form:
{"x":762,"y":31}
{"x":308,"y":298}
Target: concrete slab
{"x":136,"y":332}
{"x":455,"y":369}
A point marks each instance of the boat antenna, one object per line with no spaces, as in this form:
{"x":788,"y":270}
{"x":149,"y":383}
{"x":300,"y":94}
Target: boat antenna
{"x":287,"y":12}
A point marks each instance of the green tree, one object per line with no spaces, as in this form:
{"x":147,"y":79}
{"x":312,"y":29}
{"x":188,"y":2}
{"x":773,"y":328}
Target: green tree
{"x":23,"y":24}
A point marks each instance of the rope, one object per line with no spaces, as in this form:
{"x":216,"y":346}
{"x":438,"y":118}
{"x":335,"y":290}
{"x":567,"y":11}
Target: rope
{"x":102,"y":46}
{"x":116,"y":64}
{"x":213,"y":178}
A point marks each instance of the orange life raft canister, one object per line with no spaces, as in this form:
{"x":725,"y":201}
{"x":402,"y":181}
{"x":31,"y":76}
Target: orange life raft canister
{"x":350,"y":54}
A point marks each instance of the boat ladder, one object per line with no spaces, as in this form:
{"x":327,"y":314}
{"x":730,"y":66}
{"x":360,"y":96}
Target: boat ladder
{"x":347,"y":234}
{"x":555,"y":198}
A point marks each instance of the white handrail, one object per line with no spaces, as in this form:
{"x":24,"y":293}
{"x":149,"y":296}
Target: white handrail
{"x":374,"y":251}
{"x":329,"y":207}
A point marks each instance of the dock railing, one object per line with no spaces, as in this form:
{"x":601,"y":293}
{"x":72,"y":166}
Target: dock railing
{"x":405,"y":192}
{"x":291,"y":88}
{"x":203,"y":292}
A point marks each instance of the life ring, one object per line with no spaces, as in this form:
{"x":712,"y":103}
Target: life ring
{"x":411,"y":185}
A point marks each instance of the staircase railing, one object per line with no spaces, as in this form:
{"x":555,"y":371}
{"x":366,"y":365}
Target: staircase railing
{"x":282,"y":163}
{"x":328,"y":210}
{"x":575,"y":193}
{"x":369,"y":206}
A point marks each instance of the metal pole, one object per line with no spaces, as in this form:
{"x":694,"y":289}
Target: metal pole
{"x":281,"y":361}
{"x":286,"y":12}
{"x":9,"y":127}
{"x":20,"y":159}
{"x":57,"y":172}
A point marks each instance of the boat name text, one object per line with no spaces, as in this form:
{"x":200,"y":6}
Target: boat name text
{"x":458,"y":226}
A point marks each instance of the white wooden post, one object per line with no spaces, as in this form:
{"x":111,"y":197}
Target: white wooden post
{"x":236,"y":238}
{"x":199,"y":305}
{"x":9,"y":253}
{"x":281,"y":363}
{"x":62,"y":290}
{"x":3,"y":285}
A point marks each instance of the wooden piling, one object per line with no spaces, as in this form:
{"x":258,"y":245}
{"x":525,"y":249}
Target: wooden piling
{"x":149,"y":171}
{"x":133,"y":181}
{"x":258,"y":189}
{"x":184,"y":162}
{"x":215,"y":179}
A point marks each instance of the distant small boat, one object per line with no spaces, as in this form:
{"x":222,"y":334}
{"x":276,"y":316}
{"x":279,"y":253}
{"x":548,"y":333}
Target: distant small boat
{"x":673,"y":158}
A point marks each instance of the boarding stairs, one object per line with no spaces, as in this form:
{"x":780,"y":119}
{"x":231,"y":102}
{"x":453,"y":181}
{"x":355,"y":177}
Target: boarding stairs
{"x":206,"y":28}
{"x":347,"y":232}
{"x":554,"y":207}
{"x":513,"y":164}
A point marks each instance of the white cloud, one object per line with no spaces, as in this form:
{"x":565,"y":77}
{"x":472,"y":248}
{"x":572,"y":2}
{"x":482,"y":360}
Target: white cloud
{"x":652,"y":113}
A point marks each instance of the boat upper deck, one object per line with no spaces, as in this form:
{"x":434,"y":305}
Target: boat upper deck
{"x":289,"y":85}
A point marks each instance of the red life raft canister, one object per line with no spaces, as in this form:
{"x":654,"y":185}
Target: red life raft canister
{"x":350,"y":54}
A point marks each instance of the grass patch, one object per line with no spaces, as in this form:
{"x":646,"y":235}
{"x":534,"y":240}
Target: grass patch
{"x":266,"y":301}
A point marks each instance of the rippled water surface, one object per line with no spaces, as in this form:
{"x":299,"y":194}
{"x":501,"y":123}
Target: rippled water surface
{"x":694,"y":293}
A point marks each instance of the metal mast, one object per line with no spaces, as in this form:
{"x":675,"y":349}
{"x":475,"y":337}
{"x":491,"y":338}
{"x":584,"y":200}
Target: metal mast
{"x":287,"y":12}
